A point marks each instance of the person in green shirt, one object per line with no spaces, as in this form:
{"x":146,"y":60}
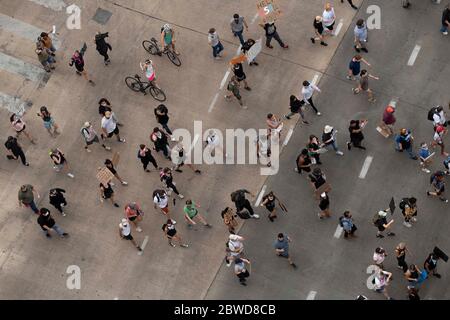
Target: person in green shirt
{"x":191,"y":213}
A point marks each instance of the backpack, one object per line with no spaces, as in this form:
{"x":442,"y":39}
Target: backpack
{"x":84,"y":132}
{"x":431,"y":113}
{"x":403,"y":203}
{"x":237,"y":196}
{"x":340,"y":221}
{"x":157,"y":193}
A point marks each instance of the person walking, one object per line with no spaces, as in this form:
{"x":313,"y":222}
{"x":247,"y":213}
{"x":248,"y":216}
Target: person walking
{"x":134,"y":214}
{"x":49,"y":122}
{"x":57,"y":199}
{"x":378,"y":257}
{"x":214,"y":144}
{"x":15,"y":150}
{"x":45,"y":58}
{"x":271,"y":32}
{"x":90,"y":136}
{"x":229,"y":219}
{"x":161,"y":199}
{"x":347,"y":224}
{"x":313,"y":147}
{"x":191,"y":213}
{"x":307,"y":93}
{"x":107,"y":192}
{"x":430,"y":265}
{"x":60,"y":162}
{"x":102,"y":46}
{"x":303,"y":162}
{"x":329,"y":18}
{"x":363,"y":85}
{"x":214,"y":42}
{"x":324,"y":206}
{"x":354,"y":67}
{"x":234,"y":248}
{"x":438,"y":183}
{"x":237,"y":27}
{"x":329,"y":139}
{"x":246,"y":47}
{"x":296,"y":106}
{"x":274,"y":125}
{"x":160,"y":141}
{"x":318,"y":31}
{"x":26,"y":196}
{"x":409,"y":210}
{"x":400,"y":253}
{"x":110,"y":165}
{"x":350,"y":2}
{"x":47,"y":42}
{"x":381,"y":281}
{"x":179,"y":157}
{"x":238,"y":70}
{"x":162,"y":117}
{"x":282,"y":248}
{"x":439,"y":132}
{"x":413,"y":275}
{"x":380,"y":221}
{"x":437,"y":116}
{"x":233,"y":90}
{"x":388,"y":121}
{"x":446,"y":163}
{"x":145,"y":155}
{"x":110,"y":127}
{"x":77,"y":60}
{"x":103,"y":106}
{"x":425,"y":157}
{"x":241,"y":203}
{"x":167,"y":178}
{"x":269,"y":201}
{"x":241,"y":271}
{"x":360,"y":32}
{"x":171,"y":233}
{"x":47,"y":223}
{"x":356,"y":135}
{"x":318,"y":182}
{"x":125,"y":233}
{"x":404,"y":141}
{"x":19,"y":127}
{"x":445,"y":20}
{"x":168,"y":38}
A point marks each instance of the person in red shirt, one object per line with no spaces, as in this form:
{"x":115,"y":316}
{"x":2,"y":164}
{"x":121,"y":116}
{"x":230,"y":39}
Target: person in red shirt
{"x":387,"y":123}
{"x":134,"y":214}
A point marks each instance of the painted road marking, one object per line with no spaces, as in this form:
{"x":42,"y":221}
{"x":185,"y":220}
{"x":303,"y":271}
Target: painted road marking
{"x":56,"y":5}
{"x":315,"y":79}
{"x":261,"y":194}
{"x":196,"y":137}
{"x":13,"y":104}
{"x":365,"y":167}
{"x":254,"y":18}
{"x":143,"y":246}
{"x":414,"y":55}
{"x":20,"y":67}
{"x":238,"y":49}
{"x":339,"y":27}
{"x":116,"y":298}
{"x":338,"y":232}
{"x":211,"y":106}
{"x":23,"y":29}
{"x":224,"y":80}
{"x":311,"y":295}
{"x":288,"y":136}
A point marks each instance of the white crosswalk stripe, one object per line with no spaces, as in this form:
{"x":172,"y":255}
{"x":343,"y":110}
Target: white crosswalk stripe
{"x":22,"y":68}
{"x":56,"y":5}
{"x":13,"y":104}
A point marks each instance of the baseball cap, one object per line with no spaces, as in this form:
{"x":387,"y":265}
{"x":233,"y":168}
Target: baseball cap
{"x":382,"y":213}
{"x":87,"y":124}
{"x":327,"y":129}
{"x":390,"y":109}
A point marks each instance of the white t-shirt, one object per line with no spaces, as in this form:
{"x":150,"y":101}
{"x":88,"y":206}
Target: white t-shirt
{"x":161,"y":202}
{"x":125,"y":229}
{"x":236,"y":247}
{"x":308,"y":91}
{"x":108,"y":124}
{"x":328,"y":17}
{"x":439,"y":118}
{"x":378,"y":258}
{"x":437,"y":137}
{"x":213,"y":140}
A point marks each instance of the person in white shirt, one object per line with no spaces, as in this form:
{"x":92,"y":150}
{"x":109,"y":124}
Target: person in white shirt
{"x":161,"y":199}
{"x":90,"y":136}
{"x":307,"y":93}
{"x":439,"y":117}
{"x":378,"y":256}
{"x":439,"y":132}
{"x":125,"y":233}
{"x":213,"y":143}
{"x":109,"y":127}
{"x":214,"y":42}
{"x":235,"y":248}
{"x":329,"y":18}
{"x":381,"y":281}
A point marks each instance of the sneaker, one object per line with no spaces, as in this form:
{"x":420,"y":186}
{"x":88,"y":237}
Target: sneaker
{"x":63,"y":214}
{"x":414,"y":158}
{"x":173,"y":139}
{"x":178,"y":170}
{"x":426,"y":170}
{"x":320,"y":216}
{"x":294,"y":265}
{"x":445,"y":33}
{"x":65,"y":234}
{"x":27,"y":164}
{"x":318,"y":113}
{"x":444,"y":200}
{"x":181,"y":196}
{"x":428,"y":193}
{"x":92,"y":83}
{"x":184,"y":245}
{"x":324,"y":44}
{"x":349,"y":146}
{"x":48,"y":235}
{"x":208,"y":225}
{"x":218,"y":58}
{"x":356,"y":48}
{"x":248,"y":88}
{"x":269,"y":46}
{"x":228,"y":98}
{"x":391,"y":234}
{"x":270,"y":218}
{"x":244,"y":107}
{"x":285,"y":46}
{"x":71,"y":175}
{"x":255,"y":63}
{"x":116,"y":205}
{"x":313,"y":40}
{"x":339,"y":153}
{"x":255,"y":216}
{"x":138,"y":229}
{"x":372,"y":100}
{"x":305,"y":122}
{"x":171,"y":244}
{"x":107,"y":148}
{"x":380,"y":236}
{"x":437,"y":275}
{"x":124,"y":183}
{"x":88,"y":150}
{"x":228,"y":262}
{"x":349,"y":78}
{"x":122,"y":140}
{"x":400,"y":267}
{"x":414,"y":219}
{"x":197,"y":171}
{"x":365,"y":50}
{"x":407,"y":224}
{"x":243,"y":283}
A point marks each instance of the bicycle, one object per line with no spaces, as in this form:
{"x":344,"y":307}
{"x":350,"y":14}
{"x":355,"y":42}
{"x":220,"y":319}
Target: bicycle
{"x":153,"y":48}
{"x":137,"y":85}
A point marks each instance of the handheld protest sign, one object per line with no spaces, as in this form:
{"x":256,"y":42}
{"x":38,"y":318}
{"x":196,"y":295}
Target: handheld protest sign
{"x":104,"y":175}
{"x":392,"y":205}
{"x":254,"y":50}
{"x":268,"y":10}
{"x":441,"y":254}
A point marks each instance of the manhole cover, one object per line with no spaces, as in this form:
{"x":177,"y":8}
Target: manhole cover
{"x":102,"y":16}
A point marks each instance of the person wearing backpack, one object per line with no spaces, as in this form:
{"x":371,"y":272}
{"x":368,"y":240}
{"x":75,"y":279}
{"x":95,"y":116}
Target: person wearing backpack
{"x":229,"y":220}
{"x":437,"y":181}
{"x":424,"y":156}
{"x":241,"y":271}
{"x":380,"y":221}
{"x":436,"y":114}
{"x":409,"y":210}
{"x":90,"y":136}
{"x":238,"y":197}
{"x":145,"y":155}
{"x":161,"y":199}
{"x":167,"y":178}
{"x":403,"y":141}
{"x":160,"y":140}
{"x":346,"y":222}
{"x":233,"y":89}
{"x":439,"y":132}
{"x":430,"y":265}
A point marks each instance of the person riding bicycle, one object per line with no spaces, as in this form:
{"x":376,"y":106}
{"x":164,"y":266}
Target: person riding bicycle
{"x":149,"y":70}
{"x":168,"y":37}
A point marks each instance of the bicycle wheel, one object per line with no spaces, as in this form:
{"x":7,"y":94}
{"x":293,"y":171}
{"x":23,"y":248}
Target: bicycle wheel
{"x":133,"y":84}
{"x":150,"y":47}
{"x":174,"y":58}
{"x":158,"y":94}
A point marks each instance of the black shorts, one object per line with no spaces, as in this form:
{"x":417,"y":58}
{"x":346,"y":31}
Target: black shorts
{"x":241,"y":78}
{"x":381,"y":228}
{"x":92,"y":141}
{"x":116,"y":131}
{"x":271,"y":208}
{"x":171,"y":232}
{"x":128,"y":237}
{"x":330,"y":27}
{"x":21,"y":130}
{"x":79,"y":68}
{"x":132,"y":218}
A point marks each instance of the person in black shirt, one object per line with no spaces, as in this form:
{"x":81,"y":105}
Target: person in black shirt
{"x":380,"y":221}
{"x":57,"y":199}
{"x":356,"y":135}
{"x":103,"y":106}
{"x":324,"y":206}
{"x":107,"y":192}
{"x":247,"y":45}
{"x":318,"y":29}
{"x":102,"y":46}
{"x":268,"y":201}
{"x":47,"y":223}
{"x":303,"y":162}
{"x":238,"y":197}
{"x":110,"y":165}
{"x":167,"y":178}
{"x":161,"y":114}
{"x":351,"y":4}
{"x":146,"y":157}
{"x":313,"y":147}
{"x":296,"y":107}
{"x":15,"y":150}
{"x":238,"y":70}
{"x":159,"y":138}
{"x":271,"y":32}
{"x":445,"y":20}
{"x":430,"y":265}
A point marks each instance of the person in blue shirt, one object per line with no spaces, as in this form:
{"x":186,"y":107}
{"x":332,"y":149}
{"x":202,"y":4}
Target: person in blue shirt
{"x":282,"y":248}
{"x":354,"y":67}
{"x":424,"y":153}
{"x":360,"y":32}
{"x":403,"y":141}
